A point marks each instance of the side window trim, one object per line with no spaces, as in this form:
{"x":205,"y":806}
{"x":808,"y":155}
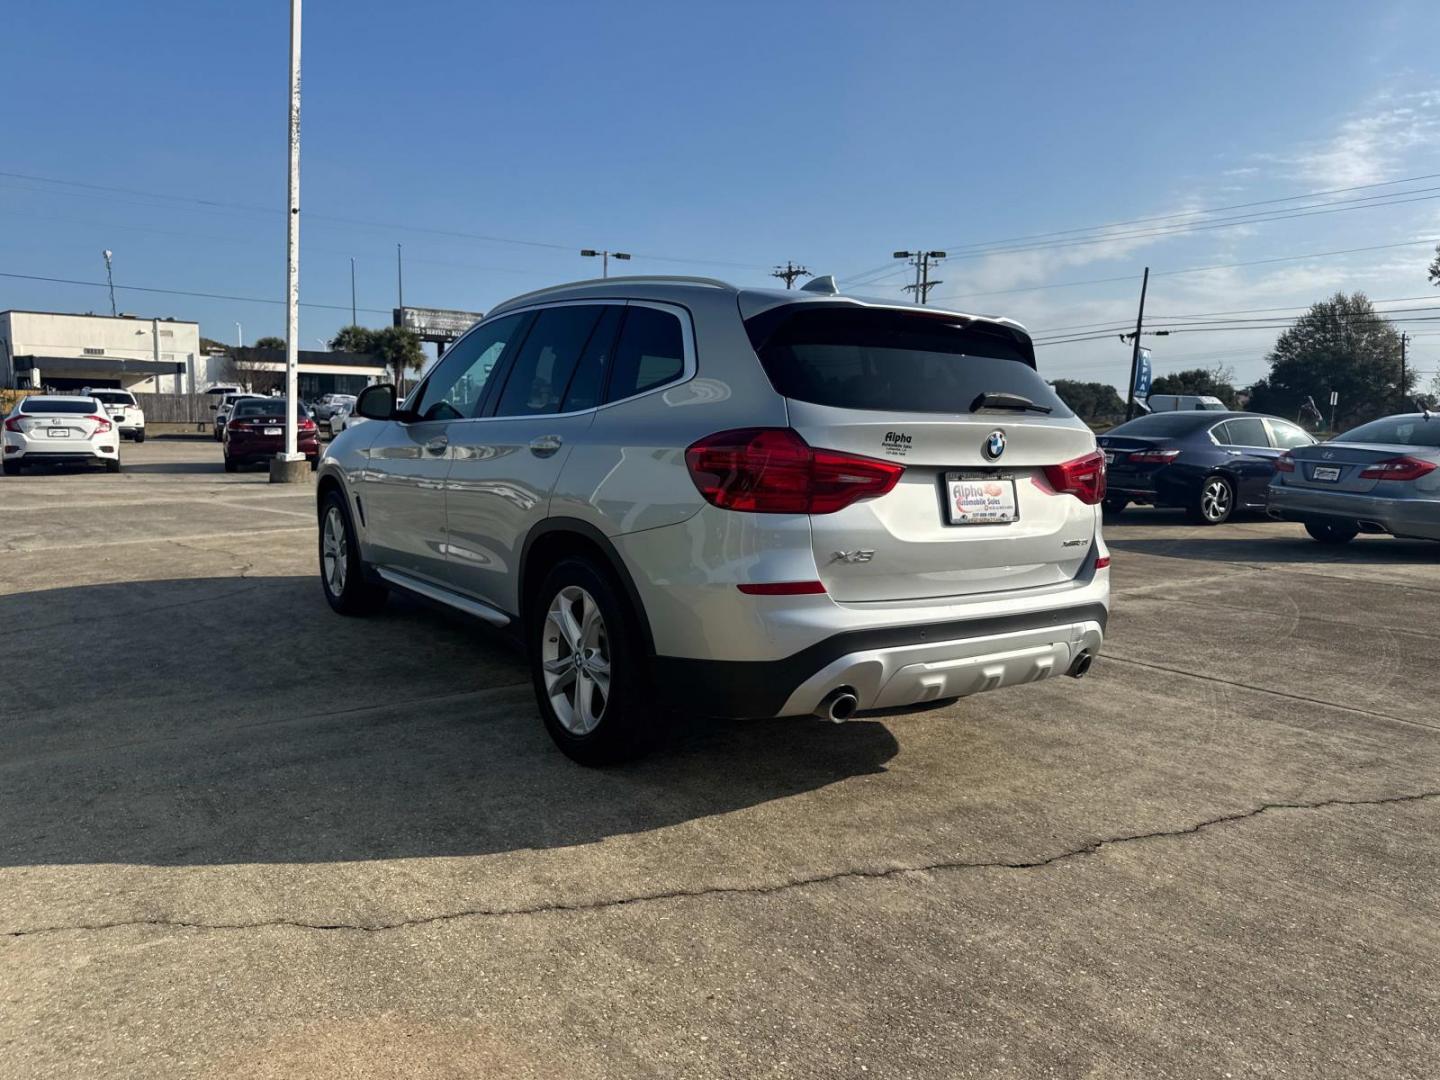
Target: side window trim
{"x":585,"y":351}
{"x":687,"y":345}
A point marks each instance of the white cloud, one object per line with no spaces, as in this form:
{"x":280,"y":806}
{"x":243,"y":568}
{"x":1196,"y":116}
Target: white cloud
{"x":1369,"y":146}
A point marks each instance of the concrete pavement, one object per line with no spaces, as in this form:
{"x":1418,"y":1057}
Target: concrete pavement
{"x":242,"y":836}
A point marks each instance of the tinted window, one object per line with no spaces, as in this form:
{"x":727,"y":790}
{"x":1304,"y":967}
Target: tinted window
{"x":114,"y":397}
{"x":57,"y":405}
{"x":260,"y":407}
{"x":651,"y":351}
{"x":1243,"y":431}
{"x":542,"y":369}
{"x":1288,"y":436}
{"x":1396,"y":431}
{"x":1163,"y":424}
{"x":894,"y":361}
{"x":457,"y":384}
{"x":589,"y":377}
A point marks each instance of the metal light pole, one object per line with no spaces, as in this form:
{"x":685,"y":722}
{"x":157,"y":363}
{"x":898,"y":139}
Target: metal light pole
{"x":399,"y":277}
{"x":605,"y":257}
{"x":288,"y":467}
{"x":239,"y":336}
{"x":110,"y":277}
{"x":354,"y":321}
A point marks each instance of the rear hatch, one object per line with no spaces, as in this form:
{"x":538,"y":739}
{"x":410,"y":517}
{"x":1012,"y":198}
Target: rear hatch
{"x":976,"y":510}
{"x":61,"y":428}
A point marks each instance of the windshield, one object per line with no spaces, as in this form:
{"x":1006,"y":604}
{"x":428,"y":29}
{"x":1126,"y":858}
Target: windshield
{"x":895,"y":361}
{"x":1395,"y":431}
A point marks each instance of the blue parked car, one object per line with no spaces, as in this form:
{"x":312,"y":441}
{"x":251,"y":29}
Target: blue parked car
{"x":1212,"y":464}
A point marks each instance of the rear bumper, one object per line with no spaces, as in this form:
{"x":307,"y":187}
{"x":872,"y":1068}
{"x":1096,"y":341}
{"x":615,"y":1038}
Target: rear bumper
{"x":890,"y":666}
{"x":1400,"y":517}
{"x":19,"y":448}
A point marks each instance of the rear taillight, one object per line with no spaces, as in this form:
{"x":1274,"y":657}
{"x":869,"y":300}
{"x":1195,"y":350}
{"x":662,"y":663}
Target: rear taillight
{"x":1285,"y":463}
{"x":1400,"y":468}
{"x":12,"y":423}
{"x":1154,"y":457}
{"x":306,"y":424}
{"x":101,"y":424}
{"x":775,"y":471}
{"x":1083,"y":477}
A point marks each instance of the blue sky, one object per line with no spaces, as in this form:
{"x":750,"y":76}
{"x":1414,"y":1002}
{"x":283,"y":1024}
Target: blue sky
{"x":722,"y":139}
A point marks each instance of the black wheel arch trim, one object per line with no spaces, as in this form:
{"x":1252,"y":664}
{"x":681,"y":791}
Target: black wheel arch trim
{"x":589,"y":532}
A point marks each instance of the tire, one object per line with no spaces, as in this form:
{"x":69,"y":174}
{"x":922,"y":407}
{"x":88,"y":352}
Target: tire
{"x":231,"y":465}
{"x":1114,"y":505}
{"x":139,"y":435}
{"x":12,"y":468}
{"x":595,"y":708}
{"x":112,"y":466}
{"x":1214,"y":503}
{"x":1331,"y":533}
{"x":347,"y":589}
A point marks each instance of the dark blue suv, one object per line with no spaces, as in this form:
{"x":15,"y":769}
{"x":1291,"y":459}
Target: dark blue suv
{"x":1210,"y":463}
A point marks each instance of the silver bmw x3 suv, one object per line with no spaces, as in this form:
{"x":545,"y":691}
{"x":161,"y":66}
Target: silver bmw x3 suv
{"x":732,"y":502}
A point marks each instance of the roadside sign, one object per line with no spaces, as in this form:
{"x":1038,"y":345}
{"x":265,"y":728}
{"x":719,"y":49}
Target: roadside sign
{"x":1334,"y":397}
{"x":1142,"y":375}
{"x":441,"y":325}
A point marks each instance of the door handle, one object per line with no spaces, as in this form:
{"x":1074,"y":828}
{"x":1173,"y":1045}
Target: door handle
{"x":437,"y":445}
{"x":545,"y":445}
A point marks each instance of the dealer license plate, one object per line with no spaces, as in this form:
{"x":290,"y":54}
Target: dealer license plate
{"x":1325,"y":472}
{"x":979,"y":501}
{"x":274,"y":431}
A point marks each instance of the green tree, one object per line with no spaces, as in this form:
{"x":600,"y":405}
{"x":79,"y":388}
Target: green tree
{"x":271,"y":343}
{"x":401,"y":349}
{"x":1217,"y":382}
{"x":354,"y":339}
{"x":1091,"y":400}
{"x":1435,"y":267}
{"x":1339,"y":345}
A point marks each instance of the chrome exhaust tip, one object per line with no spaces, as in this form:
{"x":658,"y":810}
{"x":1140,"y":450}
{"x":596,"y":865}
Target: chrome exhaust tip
{"x":1081,"y":666}
{"x":838,"y":705}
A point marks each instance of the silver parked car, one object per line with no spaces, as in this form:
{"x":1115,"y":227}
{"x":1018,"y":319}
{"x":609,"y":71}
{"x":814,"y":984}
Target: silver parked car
{"x":736,"y":502}
{"x":1381,"y":477}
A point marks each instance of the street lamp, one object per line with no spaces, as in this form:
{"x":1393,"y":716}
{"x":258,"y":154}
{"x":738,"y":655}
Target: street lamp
{"x":239,"y":336}
{"x":605,"y":256}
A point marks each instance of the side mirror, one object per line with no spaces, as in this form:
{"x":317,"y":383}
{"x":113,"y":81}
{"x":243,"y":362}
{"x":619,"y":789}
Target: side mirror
{"x":376,"y":402}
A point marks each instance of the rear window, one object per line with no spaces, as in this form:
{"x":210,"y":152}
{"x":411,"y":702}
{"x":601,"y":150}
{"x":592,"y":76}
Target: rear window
{"x":894,"y":361}
{"x":1163,"y":424}
{"x":1396,"y":431}
{"x":114,"y":397}
{"x":57,"y":405}
{"x":260,"y":407}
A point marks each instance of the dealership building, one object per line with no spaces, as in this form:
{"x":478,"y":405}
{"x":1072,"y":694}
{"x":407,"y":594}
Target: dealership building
{"x":68,"y":352}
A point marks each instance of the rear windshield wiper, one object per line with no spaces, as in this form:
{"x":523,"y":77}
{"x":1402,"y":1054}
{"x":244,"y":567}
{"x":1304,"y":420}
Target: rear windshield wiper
{"x":991,"y":399}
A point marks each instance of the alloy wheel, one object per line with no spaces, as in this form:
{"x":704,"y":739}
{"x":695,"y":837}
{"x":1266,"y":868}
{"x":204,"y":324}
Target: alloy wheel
{"x":1215,"y":499}
{"x":575,"y":656}
{"x":333,"y":552}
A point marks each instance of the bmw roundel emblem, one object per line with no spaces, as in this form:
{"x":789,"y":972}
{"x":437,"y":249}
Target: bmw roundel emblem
{"x":994,"y":444}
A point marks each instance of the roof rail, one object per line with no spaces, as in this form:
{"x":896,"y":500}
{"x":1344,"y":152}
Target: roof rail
{"x":634,"y":279}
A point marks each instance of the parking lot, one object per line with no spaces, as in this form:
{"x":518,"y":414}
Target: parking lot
{"x":240,"y":835}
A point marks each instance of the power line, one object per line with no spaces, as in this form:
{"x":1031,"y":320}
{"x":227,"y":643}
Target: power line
{"x":183,"y":292}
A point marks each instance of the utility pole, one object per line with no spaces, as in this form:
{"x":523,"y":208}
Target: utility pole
{"x":789,"y":272}
{"x":288,"y":467}
{"x":399,"y":278}
{"x":922,"y":261}
{"x":1404,"y":340}
{"x":354,"y":320}
{"x":110,"y":277}
{"x":1135,"y":347}
{"x":605,"y":257}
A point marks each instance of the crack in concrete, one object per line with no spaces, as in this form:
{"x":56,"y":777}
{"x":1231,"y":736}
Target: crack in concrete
{"x":1375,"y":714}
{"x":1090,"y":848}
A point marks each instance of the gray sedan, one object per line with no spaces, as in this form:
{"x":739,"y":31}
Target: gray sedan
{"x":1382,"y":477}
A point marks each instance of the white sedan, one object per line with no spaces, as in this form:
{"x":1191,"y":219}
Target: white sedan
{"x":60,"y":429}
{"x":344,"y":418}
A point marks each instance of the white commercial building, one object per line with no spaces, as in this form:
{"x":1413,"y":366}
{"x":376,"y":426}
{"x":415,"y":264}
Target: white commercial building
{"x":66,"y":352}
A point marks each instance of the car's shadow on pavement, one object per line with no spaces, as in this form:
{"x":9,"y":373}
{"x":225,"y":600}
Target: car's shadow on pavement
{"x":1209,"y":547}
{"x":238,"y":720}
{"x":176,"y":467}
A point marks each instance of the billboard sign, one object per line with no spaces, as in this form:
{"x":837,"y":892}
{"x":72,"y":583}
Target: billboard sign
{"x":1142,"y":375}
{"x":440,"y":325}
